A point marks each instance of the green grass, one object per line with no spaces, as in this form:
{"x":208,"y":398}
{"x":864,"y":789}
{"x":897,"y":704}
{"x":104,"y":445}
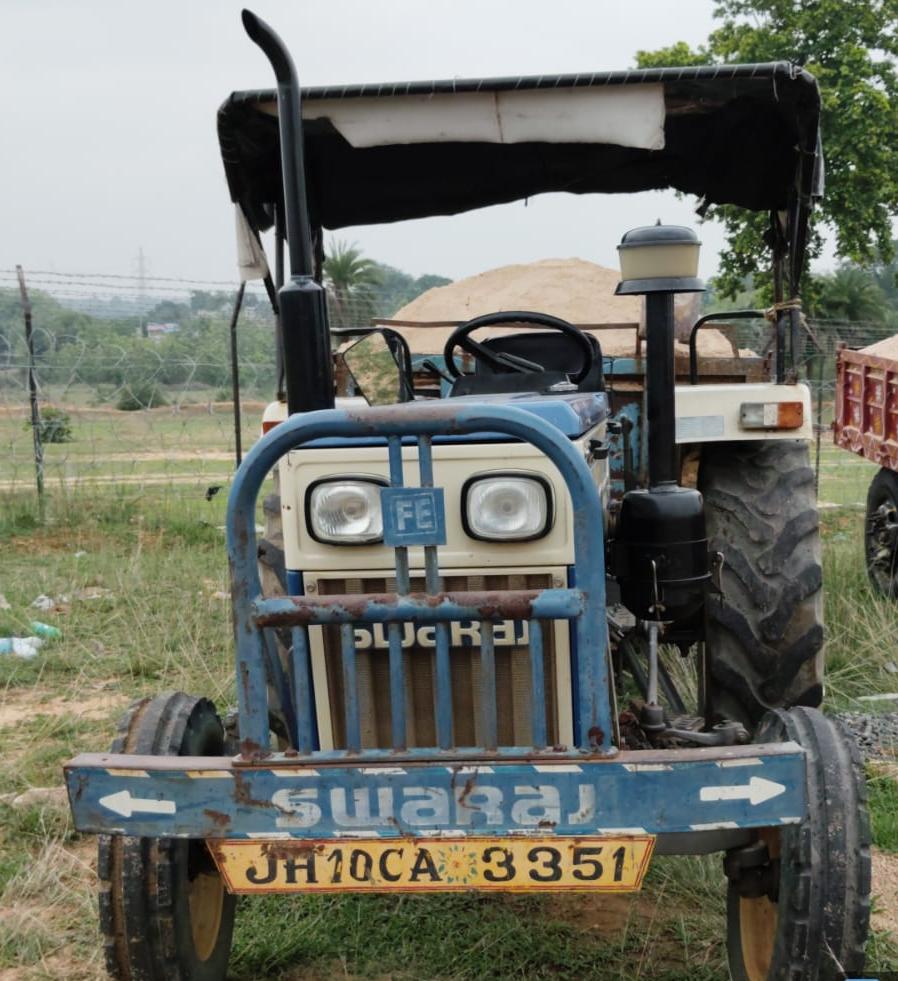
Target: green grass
{"x":159,"y":552}
{"x":883,"y":790}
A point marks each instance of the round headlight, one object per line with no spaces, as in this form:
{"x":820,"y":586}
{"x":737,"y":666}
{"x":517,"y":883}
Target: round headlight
{"x":345,"y":512}
{"x":507,"y":508}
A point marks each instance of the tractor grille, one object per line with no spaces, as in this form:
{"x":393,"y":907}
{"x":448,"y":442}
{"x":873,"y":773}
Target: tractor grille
{"x":513,"y":684}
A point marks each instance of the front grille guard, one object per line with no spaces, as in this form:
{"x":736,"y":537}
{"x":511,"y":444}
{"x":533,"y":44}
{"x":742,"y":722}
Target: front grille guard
{"x":255,"y":617}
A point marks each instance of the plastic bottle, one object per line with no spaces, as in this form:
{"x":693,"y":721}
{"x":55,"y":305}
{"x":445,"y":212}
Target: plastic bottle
{"x":45,"y":630}
{"x":20,"y":646}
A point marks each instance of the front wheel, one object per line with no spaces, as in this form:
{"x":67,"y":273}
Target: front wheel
{"x":164,"y":911}
{"x":798,"y":904}
{"x":881,"y":533}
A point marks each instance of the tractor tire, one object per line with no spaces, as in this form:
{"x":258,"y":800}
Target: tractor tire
{"x":881,"y":533}
{"x":164,"y":912}
{"x":764,"y":632}
{"x":804,"y":911}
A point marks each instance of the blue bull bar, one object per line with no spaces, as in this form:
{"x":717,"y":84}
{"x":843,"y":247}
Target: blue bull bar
{"x":590,"y":787}
{"x":413,"y":516}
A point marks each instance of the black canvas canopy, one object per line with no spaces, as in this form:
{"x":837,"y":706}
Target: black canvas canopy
{"x":730,"y":134}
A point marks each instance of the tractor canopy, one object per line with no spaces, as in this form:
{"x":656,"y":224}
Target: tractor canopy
{"x":745,"y":135}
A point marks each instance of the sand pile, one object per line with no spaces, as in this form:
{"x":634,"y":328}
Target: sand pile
{"x":573,"y":289}
{"x":886,"y":348}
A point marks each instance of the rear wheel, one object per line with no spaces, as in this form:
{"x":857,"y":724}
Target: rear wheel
{"x":164,"y":911}
{"x":881,"y":533}
{"x":764,"y":634}
{"x":798,"y":903}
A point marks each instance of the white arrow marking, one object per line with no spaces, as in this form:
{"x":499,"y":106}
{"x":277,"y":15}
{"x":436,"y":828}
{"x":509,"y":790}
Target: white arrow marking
{"x":126,"y":805}
{"x":757,"y":790}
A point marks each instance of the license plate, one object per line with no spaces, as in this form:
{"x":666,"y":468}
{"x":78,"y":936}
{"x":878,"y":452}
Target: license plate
{"x":603,"y":864}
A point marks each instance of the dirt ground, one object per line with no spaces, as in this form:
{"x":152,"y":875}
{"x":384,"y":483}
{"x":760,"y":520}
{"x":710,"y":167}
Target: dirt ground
{"x":20,"y":705}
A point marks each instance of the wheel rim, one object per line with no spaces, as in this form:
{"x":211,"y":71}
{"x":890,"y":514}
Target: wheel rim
{"x":882,"y":538}
{"x":759,"y":920}
{"x":205,"y":899}
{"x":757,"y":927}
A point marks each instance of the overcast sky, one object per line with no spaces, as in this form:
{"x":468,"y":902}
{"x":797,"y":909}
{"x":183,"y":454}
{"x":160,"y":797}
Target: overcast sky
{"x":108,"y":121}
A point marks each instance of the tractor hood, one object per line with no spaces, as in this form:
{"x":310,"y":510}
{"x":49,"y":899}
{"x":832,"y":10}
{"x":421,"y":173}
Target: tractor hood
{"x":729,"y":134}
{"x":573,"y":414}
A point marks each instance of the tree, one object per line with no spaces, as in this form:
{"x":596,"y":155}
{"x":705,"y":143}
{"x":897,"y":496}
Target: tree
{"x":350,"y":277}
{"x":850,"y":293}
{"x":851,"y":48}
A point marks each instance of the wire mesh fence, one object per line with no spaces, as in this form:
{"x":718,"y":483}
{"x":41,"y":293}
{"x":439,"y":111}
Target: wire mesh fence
{"x":133,"y":381}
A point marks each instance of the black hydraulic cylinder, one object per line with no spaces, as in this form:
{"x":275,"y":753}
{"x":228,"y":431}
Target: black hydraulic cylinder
{"x":659,"y":384}
{"x":308,"y":364}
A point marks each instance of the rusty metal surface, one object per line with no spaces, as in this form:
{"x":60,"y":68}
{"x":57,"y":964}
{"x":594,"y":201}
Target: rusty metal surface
{"x":494,"y":605}
{"x":866,"y":412}
{"x":630,"y":758}
{"x":419,"y":421}
{"x":632,"y":793}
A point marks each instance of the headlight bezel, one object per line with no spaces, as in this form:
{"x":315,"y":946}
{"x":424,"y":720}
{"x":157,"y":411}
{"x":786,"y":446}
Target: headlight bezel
{"x":358,"y":478}
{"x":534,"y":477}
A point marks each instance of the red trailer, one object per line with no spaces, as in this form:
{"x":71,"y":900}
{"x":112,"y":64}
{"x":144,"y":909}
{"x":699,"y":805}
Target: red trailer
{"x":866,"y":422}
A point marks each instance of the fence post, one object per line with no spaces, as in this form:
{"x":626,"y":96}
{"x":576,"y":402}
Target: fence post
{"x":235,"y":371}
{"x":32,"y":392}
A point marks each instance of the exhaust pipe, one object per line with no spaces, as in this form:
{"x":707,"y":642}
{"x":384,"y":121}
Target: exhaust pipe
{"x":308,"y":365}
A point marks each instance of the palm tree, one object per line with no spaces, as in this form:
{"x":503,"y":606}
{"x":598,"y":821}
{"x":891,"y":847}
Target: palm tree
{"x":850,"y":293}
{"x":350,"y":277}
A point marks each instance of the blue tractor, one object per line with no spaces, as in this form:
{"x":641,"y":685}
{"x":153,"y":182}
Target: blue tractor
{"x":458,"y":674}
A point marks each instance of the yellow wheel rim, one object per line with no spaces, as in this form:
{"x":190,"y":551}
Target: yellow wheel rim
{"x":206,"y":901}
{"x":758,"y":920}
{"x":757,"y":927}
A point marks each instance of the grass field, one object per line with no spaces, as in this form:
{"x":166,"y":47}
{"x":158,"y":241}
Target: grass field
{"x":139,"y":571}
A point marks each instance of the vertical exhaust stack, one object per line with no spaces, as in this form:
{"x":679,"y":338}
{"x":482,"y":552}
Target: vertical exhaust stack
{"x":308,"y":366}
{"x":660,"y":551}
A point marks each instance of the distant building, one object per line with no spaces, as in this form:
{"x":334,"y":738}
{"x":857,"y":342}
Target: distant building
{"x":157,"y":330}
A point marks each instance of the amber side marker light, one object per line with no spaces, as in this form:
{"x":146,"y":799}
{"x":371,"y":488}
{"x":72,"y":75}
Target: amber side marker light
{"x":771,"y":415}
{"x":269,"y":424}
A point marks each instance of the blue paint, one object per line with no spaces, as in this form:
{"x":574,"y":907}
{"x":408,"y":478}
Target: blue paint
{"x":455,"y":417}
{"x":301,"y":686}
{"x":547,"y":604}
{"x":575,"y":667}
{"x":294,"y":583}
{"x":413,"y":516}
{"x":624,"y":366}
{"x":638,"y":791}
{"x":572,"y":413}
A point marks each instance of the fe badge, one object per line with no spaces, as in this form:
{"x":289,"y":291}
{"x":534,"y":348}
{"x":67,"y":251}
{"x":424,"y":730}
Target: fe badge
{"x":413,"y":516}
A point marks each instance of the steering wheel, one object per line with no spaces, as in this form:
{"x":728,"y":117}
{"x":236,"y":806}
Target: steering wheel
{"x":460,"y":337}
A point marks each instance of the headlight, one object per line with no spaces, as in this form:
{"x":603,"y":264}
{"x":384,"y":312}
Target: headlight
{"x":506,"y":507}
{"x":345,"y":511}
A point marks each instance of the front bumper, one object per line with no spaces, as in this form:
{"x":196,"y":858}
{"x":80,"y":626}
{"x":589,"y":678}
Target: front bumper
{"x":646,"y":792}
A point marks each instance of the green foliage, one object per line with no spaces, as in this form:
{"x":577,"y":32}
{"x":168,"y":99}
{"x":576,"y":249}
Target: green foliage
{"x":883,"y":790}
{"x":55,"y":425}
{"x":850,"y":293}
{"x":360,"y":288}
{"x":111,"y":354}
{"x":350,"y":277}
{"x":851,"y":48}
{"x":676,"y":55}
{"x":398,"y":288}
{"x":140,"y":395}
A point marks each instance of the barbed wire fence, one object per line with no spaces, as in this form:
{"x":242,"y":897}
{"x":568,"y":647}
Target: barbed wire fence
{"x":133,"y":382}
{"x":133,"y":385}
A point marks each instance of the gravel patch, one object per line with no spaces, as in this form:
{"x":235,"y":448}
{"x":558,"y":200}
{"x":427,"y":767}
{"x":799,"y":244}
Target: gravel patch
{"x":876,"y":733}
